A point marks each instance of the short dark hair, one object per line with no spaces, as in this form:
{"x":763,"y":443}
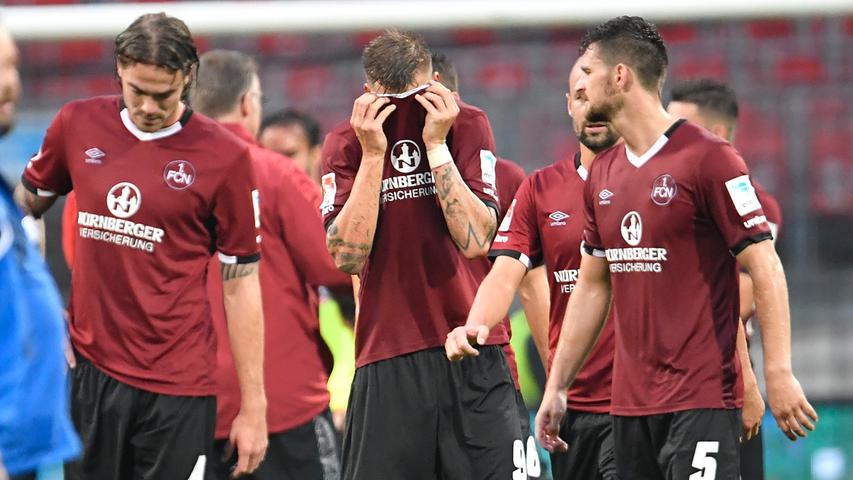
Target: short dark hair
{"x":709,"y":95}
{"x":634,"y":42}
{"x":286,"y":118}
{"x":157,"y":39}
{"x":444,"y":67}
{"x":393,"y":58}
{"x":224,"y":76}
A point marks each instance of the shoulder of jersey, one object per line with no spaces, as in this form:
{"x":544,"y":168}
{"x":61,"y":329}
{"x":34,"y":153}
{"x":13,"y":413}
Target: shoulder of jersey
{"x":343,"y":130}
{"x":467,"y":111}
{"x":96,"y":105}
{"x":692,"y":132}
{"x":559,"y":169}
{"x":216,"y":136}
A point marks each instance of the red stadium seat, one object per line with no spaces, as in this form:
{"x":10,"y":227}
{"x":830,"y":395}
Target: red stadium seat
{"x":765,"y":29}
{"x":73,"y":52}
{"x":678,"y":33}
{"x":713,"y":66}
{"x":309,"y":82}
{"x":473,"y":36}
{"x":800,"y":69}
{"x":505,"y":76}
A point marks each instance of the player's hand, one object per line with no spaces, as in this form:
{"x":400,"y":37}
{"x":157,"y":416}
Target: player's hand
{"x":793,"y":413}
{"x":70,"y":359}
{"x":368,"y":114}
{"x":461,"y":340}
{"x":753,"y":411}
{"x":548,"y":419}
{"x":249,"y":436}
{"x":442,"y":110}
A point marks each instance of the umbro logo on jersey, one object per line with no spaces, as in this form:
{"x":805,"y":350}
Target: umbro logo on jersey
{"x":406,"y":156}
{"x":95,"y":155}
{"x":179,"y":174}
{"x":558,"y":218}
{"x":605,"y":196}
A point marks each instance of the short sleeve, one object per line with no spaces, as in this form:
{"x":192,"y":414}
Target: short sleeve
{"x":730,"y":200}
{"x":47,"y":172}
{"x":592,"y":244}
{"x":518,"y":233}
{"x":472,"y":146}
{"x":340,"y":159}
{"x":510,"y":177}
{"x":237,"y":214}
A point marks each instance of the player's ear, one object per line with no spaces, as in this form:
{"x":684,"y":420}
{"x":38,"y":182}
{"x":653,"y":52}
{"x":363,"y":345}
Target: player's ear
{"x":436,"y":76}
{"x":366,"y":88}
{"x":622,"y":76}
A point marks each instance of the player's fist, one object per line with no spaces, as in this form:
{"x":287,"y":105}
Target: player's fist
{"x":461,"y":340}
{"x":442,"y":110}
{"x":369,"y":112}
{"x":249,"y":437}
{"x":753,"y":410}
{"x":548,"y":419}
{"x":789,"y":406}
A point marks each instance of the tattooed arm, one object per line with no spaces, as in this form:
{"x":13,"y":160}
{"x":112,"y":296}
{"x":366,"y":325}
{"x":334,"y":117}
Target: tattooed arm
{"x":242,"y":295}
{"x":471,"y":223}
{"x":350,"y":237}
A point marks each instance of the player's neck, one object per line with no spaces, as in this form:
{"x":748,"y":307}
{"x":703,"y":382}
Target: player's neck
{"x":642,"y":123}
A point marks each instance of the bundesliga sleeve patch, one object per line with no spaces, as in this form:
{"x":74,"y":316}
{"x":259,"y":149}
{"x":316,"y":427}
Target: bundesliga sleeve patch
{"x":330,"y":189}
{"x":743,"y":195}
{"x":487,"y":167}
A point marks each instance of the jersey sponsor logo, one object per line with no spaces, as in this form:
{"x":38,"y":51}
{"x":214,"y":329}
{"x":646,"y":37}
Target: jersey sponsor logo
{"x":179,"y":174}
{"x":754,"y":221}
{"x":95,"y":155}
{"x":507,"y":221}
{"x":124,"y":200}
{"x":403,"y":187}
{"x":558,"y":218}
{"x":604,"y":197}
{"x":567,"y":279}
{"x":330,"y":190}
{"x":405,"y":156}
{"x":488,"y":163}
{"x":664,"y":190}
{"x":637,"y":259}
{"x":632,"y":228}
{"x":743,"y":195}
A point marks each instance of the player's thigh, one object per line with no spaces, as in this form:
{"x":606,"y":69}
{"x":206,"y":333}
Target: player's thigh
{"x":481,"y":417}
{"x":103,"y":410}
{"x":590,"y":440}
{"x":391,"y":420}
{"x":173,"y":437}
{"x":306,"y":452}
{"x":703,"y":445}
{"x":636,"y":446}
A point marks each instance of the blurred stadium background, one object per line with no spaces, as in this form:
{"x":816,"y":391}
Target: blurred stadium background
{"x":791,"y":64}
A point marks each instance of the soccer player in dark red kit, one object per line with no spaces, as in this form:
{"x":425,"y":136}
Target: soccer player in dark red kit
{"x":159,"y":189}
{"x":302,"y":440}
{"x":713,"y":104}
{"x":409,"y":197}
{"x":546,"y":227}
{"x":669,"y":215}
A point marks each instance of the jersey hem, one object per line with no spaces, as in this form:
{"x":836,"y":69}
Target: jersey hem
{"x":362,"y":360}
{"x":676,"y":407}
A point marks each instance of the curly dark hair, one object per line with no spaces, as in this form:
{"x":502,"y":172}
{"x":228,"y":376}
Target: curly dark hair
{"x":634,"y":42}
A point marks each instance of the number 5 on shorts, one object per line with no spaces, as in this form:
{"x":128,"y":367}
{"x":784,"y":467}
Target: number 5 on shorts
{"x":702,"y":460}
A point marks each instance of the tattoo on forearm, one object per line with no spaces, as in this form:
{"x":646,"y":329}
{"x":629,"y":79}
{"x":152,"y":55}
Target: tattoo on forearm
{"x":350,"y":256}
{"x":454,"y":213}
{"x":445,"y":183}
{"x":231,"y":271}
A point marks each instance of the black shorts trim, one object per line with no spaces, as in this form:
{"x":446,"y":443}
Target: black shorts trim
{"x":749,"y":241}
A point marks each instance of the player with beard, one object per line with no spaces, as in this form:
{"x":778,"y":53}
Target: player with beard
{"x":159,"y":189}
{"x":660,"y":225}
{"x":35,"y":428}
{"x":713,"y":105}
{"x":545,"y":227}
{"x":409,"y":197}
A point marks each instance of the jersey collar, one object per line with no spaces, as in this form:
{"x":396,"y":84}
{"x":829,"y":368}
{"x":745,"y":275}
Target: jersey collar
{"x":148,"y":136}
{"x":582,"y":171}
{"x":639,"y":161}
{"x":407,"y":93}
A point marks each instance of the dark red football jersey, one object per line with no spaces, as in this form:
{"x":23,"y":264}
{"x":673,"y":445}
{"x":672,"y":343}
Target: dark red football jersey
{"x":771,"y":208}
{"x":416,"y":286}
{"x":546,"y":226}
{"x":295,"y":259}
{"x":669,"y":223}
{"x":152,"y":208}
{"x":509,"y":176}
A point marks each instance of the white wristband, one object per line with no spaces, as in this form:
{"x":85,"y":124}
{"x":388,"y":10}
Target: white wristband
{"x":439,"y":156}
